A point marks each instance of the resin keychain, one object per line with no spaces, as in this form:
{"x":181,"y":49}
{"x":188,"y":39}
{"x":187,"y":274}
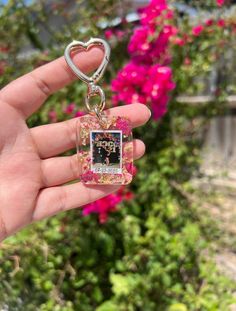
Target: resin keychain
{"x":104,"y":143}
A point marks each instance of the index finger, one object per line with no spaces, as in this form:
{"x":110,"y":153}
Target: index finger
{"x":28,"y":92}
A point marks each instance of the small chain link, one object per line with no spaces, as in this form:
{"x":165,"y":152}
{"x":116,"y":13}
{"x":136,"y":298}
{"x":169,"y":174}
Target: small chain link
{"x":94,"y":90}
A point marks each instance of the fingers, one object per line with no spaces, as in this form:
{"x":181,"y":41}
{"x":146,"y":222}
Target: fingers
{"x":60,"y":170}
{"x":28,"y":92}
{"x":57,"y":171}
{"x":53,"y":200}
{"x":56,"y":138}
{"x":58,"y":199}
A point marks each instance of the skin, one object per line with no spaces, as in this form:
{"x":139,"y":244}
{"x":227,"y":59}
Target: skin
{"x":32,"y":175}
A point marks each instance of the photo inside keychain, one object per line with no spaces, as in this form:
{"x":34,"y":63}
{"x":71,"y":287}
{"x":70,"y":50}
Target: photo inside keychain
{"x":104,"y":142}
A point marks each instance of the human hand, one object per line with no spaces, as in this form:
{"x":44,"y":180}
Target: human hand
{"x":32,"y":175}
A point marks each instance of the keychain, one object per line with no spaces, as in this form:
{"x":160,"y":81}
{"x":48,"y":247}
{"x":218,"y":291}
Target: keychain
{"x":104,"y":143}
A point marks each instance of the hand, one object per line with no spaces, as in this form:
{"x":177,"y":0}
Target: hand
{"x":32,"y":176}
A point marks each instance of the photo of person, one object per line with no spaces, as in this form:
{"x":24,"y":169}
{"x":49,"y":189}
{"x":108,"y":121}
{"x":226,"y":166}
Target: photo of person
{"x":106,"y":149}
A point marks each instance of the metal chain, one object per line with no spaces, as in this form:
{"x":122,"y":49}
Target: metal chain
{"x":94,"y":90}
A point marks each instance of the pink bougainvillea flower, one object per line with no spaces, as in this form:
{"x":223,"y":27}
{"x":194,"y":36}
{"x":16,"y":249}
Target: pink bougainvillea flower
{"x":135,"y":170}
{"x":133,"y":73}
{"x":79,"y":113}
{"x":187,"y":38}
{"x":139,"y":41}
{"x":120,"y":34}
{"x":187,"y":61}
{"x":146,"y":84}
{"x":209,"y":22}
{"x":128,"y":84}
{"x":124,"y":125}
{"x":115,"y":99}
{"x":52,"y":115}
{"x":169,"y":14}
{"x":107,"y":204}
{"x":108,"y":33}
{"x":159,"y":79}
{"x":70,"y":109}
{"x":128,"y":195}
{"x":178,"y":41}
{"x":147,"y":45}
{"x":220,"y":2}
{"x":160,"y":45}
{"x":146,"y":78}
{"x":197,"y":30}
{"x":89,"y":176}
{"x":131,"y":168}
{"x":221,"y":23}
{"x":157,"y":87}
{"x":151,"y":12}
{"x":159,"y":108}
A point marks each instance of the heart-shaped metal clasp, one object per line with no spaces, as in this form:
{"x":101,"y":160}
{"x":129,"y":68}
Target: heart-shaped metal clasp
{"x":85,"y":45}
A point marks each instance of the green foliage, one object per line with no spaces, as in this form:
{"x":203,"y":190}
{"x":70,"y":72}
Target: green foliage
{"x":151,"y":254}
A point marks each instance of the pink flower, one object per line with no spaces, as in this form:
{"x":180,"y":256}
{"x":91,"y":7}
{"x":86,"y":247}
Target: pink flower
{"x":79,"y":114}
{"x":146,"y":78}
{"x":179,"y":41}
{"x":187,"y":61}
{"x":124,"y":125}
{"x":157,"y":88}
{"x":146,"y":46}
{"x":159,"y":107}
{"x":221,"y":23}
{"x":145,"y":84}
{"x":107,"y":204}
{"x":220,"y":2}
{"x":52,"y":115}
{"x":209,"y":22}
{"x":108,"y":33}
{"x":131,"y":168}
{"x":169,"y":14}
{"x":160,"y":45}
{"x":89,"y":176}
{"x":129,"y":195}
{"x":197,"y":30}
{"x":69,"y":108}
{"x":120,"y":34}
{"x":139,"y":42}
{"x":128,"y":84}
{"x":151,"y":12}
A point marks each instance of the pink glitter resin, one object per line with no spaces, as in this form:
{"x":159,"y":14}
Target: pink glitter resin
{"x":88,"y":174}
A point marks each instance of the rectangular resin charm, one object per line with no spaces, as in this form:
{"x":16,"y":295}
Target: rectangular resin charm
{"x":105,"y":150}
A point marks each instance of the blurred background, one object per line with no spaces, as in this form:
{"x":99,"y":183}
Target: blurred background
{"x":168,"y":241}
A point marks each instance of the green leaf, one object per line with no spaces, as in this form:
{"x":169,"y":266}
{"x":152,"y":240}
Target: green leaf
{"x":120,"y":284}
{"x":178,"y":307}
{"x":107,"y":306}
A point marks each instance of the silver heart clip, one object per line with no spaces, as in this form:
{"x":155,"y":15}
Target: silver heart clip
{"x":93,"y":89}
{"x":86,"y":45}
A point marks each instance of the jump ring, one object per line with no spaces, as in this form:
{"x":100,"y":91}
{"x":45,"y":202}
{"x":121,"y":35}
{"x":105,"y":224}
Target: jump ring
{"x":94,"y":90}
